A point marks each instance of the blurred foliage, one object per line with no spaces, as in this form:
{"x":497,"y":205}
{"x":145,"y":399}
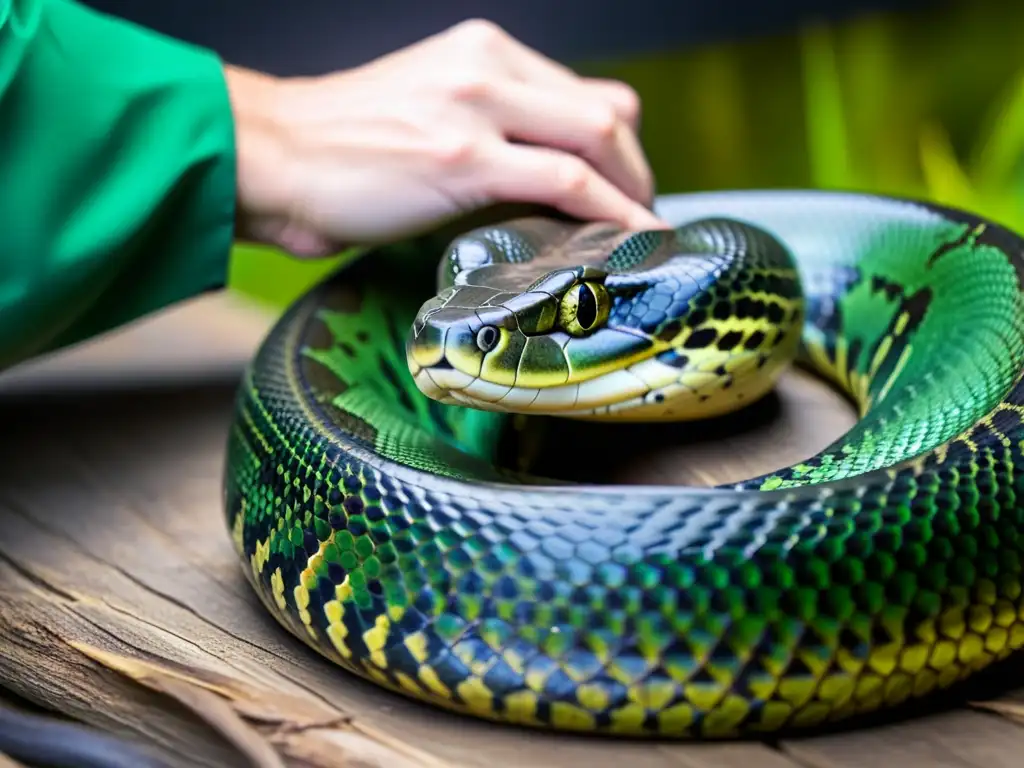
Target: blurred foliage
{"x":927,"y":105}
{"x":273,"y":278}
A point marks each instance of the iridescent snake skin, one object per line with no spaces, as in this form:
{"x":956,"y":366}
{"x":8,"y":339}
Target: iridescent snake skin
{"x":365,"y":497}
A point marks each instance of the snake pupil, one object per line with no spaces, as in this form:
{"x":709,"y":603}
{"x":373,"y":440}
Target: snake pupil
{"x":586,"y":310}
{"x":487,"y":338}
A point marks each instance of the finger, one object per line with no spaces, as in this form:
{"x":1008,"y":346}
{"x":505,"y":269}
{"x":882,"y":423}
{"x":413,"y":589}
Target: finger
{"x":524,"y":63}
{"x":532,"y":66}
{"x":545,"y":176}
{"x":624,"y":100}
{"x":586,"y":127}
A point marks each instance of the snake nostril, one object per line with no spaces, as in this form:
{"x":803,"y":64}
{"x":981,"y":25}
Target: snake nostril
{"x":487,"y":338}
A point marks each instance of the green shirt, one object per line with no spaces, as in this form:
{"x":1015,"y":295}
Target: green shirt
{"x":117,"y":162}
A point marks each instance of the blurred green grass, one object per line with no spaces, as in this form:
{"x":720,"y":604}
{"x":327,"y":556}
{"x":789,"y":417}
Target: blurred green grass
{"x":927,"y":105}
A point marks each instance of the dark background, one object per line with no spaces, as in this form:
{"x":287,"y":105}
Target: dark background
{"x":291,"y":37}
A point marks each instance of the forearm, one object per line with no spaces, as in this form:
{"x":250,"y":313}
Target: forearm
{"x":118,"y":166}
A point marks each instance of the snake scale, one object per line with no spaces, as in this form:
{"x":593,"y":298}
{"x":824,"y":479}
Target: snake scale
{"x":374,"y":520}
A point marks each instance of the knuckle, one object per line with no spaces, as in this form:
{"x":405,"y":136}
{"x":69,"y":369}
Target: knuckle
{"x":573,"y":176}
{"x":478,"y":33}
{"x":470,"y":86}
{"x":604,"y":124}
{"x":456,"y":151}
{"x":629,"y":102}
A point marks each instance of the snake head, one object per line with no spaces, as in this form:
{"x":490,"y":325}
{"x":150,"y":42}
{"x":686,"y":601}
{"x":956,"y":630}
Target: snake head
{"x":501,"y":350}
{"x":585,"y":321}
{"x":514,"y":332}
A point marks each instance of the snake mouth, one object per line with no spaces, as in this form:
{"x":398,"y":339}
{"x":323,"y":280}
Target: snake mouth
{"x":650,"y":387}
{"x":483,"y":359}
{"x":452,"y":387}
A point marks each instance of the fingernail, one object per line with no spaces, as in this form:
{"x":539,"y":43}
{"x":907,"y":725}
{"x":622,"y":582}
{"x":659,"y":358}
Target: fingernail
{"x":645,"y":219}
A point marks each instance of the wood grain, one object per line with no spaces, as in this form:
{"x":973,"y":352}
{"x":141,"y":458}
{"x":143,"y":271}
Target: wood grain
{"x":122,"y":603}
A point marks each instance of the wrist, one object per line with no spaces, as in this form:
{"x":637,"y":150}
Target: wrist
{"x":260,"y":155}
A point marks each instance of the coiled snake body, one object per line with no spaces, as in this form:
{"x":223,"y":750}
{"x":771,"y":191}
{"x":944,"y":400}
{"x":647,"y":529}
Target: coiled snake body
{"x":363,"y":494}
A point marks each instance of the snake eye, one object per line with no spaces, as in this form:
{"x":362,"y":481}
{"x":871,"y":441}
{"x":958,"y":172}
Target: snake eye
{"x":487,"y":338}
{"x":584,"y":308}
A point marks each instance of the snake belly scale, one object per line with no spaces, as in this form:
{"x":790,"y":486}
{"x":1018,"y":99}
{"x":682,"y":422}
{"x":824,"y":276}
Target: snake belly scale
{"x":364,"y":497}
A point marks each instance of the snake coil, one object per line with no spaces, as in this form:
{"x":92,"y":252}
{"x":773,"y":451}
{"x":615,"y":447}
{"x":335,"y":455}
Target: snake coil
{"x":364,"y":499}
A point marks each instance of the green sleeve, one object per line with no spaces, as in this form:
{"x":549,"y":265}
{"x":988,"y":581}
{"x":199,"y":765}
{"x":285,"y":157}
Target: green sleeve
{"x":117,"y":164}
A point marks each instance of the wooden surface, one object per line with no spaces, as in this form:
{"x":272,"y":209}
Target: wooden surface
{"x":122,"y":603}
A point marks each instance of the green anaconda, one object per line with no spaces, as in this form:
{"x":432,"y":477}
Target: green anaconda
{"x":373,"y":519}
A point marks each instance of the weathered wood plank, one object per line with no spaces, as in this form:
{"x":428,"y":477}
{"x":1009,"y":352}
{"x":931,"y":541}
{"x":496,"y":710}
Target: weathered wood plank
{"x":731,"y":756}
{"x":122,"y":603}
{"x":956,"y":739}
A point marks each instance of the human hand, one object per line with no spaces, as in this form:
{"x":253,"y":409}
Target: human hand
{"x":459,"y":121}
